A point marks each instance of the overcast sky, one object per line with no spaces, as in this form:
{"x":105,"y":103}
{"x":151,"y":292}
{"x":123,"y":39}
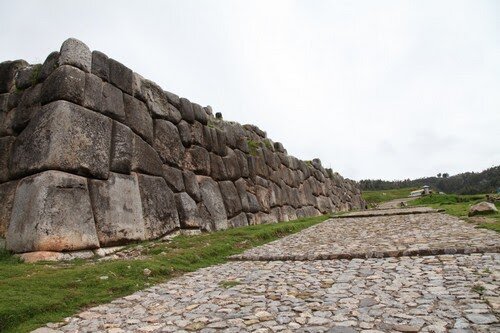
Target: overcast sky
{"x":376,"y":89}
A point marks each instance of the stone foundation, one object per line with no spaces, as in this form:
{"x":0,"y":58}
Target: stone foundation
{"x":93,"y":155}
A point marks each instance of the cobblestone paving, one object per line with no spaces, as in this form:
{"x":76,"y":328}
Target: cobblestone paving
{"x":407,"y":294}
{"x":379,"y":236}
{"x":456,"y":293}
{"x":390,"y":211}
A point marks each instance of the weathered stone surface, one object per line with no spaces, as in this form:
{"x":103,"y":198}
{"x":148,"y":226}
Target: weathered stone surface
{"x":239,"y":220}
{"x":288,"y":213}
{"x":5,"y":152}
{"x":197,"y":159}
{"x":263,"y":197}
{"x":199,"y":114}
{"x":145,"y":159}
{"x":232,"y":200}
{"x":7,"y":192}
{"x":191,"y":184}
{"x":75,"y":53}
{"x":64,"y":136}
{"x":137,"y":117}
{"x":185,"y":133}
{"x":122,"y":148}
{"x":64,"y":83}
{"x":483,"y":208}
{"x":27,"y":76}
{"x":113,"y":103}
{"x":28,"y":106}
{"x":186,"y":110}
{"x":120,"y":76}
{"x":100,"y":65}
{"x":157,"y":102}
{"x":167,"y":142}
{"x":232,"y":165}
{"x":117,"y":208}
{"x":158,"y":206}
{"x":8,"y":71}
{"x":213,"y":202}
{"x":50,"y":63}
{"x":93,"y":96}
{"x":174,"y":178}
{"x":52,"y":212}
{"x":188,"y":211}
{"x":217,"y":168}
{"x":242,"y":163}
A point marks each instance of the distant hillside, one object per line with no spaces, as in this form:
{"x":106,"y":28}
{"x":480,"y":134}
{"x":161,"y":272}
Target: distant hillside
{"x":486,"y":181}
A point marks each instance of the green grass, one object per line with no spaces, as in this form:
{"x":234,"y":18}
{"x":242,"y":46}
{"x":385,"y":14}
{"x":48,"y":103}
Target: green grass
{"x":34,"y":294}
{"x":458,"y":205}
{"x":375,"y":197}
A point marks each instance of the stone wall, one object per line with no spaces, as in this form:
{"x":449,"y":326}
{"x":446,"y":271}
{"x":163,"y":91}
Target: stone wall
{"x":93,"y":155}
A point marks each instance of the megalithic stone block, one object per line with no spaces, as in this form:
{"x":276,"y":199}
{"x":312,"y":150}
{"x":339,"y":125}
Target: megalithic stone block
{"x":168,"y":142}
{"x":158,"y":206}
{"x":212,"y":200}
{"x":64,"y":136}
{"x":75,"y":53}
{"x":5,"y":150}
{"x":232,"y":200}
{"x":188,"y":211}
{"x":8,"y":71}
{"x":52,"y":212}
{"x":64,"y":83}
{"x":117,"y":209}
{"x":7,"y":192}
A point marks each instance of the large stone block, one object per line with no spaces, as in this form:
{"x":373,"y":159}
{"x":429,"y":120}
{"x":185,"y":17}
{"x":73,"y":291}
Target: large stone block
{"x":28,"y":106}
{"x":117,"y":209}
{"x":121,"y":76}
{"x":217,"y":167}
{"x":174,"y":178}
{"x":232,"y":166}
{"x":199,"y":114}
{"x":158,"y":206}
{"x":231,"y":198}
{"x":122,"y":148}
{"x":188,"y":211}
{"x":157,"y":102}
{"x":64,"y":136}
{"x":241,"y":187}
{"x":167,"y":142}
{"x":8,"y":71}
{"x":185,"y":133}
{"x":239,"y":220}
{"x":50,"y":63}
{"x":27,"y":76}
{"x":242,"y":163}
{"x":197,"y":159}
{"x":5,"y":152}
{"x":113,"y":102}
{"x":213,"y":202}
{"x":263,"y":197}
{"x":52,"y":212}
{"x":137,"y":117}
{"x":75,"y":53}
{"x":145,"y":159}
{"x":93,"y":94}
{"x":64,"y":83}
{"x":186,"y":110}
{"x":7,"y":193}
{"x":100,"y":65}
{"x":191,"y":184}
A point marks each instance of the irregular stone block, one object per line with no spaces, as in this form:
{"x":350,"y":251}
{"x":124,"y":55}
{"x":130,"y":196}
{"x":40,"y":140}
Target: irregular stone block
{"x":121,"y":76}
{"x":232,"y":200}
{"x":145,"y":159}
{"x":5,"y":153}
{"x":197,"y":159}
{"x":100,"y":65}
{"x":28,"y":106}
{"x":7,"y":193}
{"x":50,"y":63}
{"x":174,"y":178}
{"x":253,"y":203}
{"x":8,"y":71}
{"x":157,"y":102}
{"x":158,"y":206}
{"x":324,"y":204}
{"x":117,"y":207}
{"x":167,"y":142}
{"x":188,"y":211}
{"x":93,"y":96}
{"x":65,"y":83}
{"x":173,"y":99}
{"x":242,"y":163}
{"x":232,"y":165}
{"x":185,"y":133}
{"x":186,"y":110}
{"x":122,"y":147}
{"x":27,"y":76}
{"x":137,"y":117}
{"x":241,"y":187}
{"x":199,"y":114}
{"x":191,"y":184}
{"x":64,"y":136}
{"x":197,"y":134}
{"x":52,"y":212}
{"x":75,"y":53}
{"x":213,"y":202}
{"x":221,"y":140}
{"x":307,"y":211}
{"x":263,"y":197}
{"x":288,"y":213}
{"x":217,"y":167}
{"x":239,"y":220}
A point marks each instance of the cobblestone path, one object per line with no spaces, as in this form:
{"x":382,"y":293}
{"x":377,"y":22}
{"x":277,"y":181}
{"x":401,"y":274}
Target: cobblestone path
{"x":400,"y":293}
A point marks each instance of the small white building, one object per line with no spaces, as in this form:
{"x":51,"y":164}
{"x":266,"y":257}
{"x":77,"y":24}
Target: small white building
{"x":425,"y":190}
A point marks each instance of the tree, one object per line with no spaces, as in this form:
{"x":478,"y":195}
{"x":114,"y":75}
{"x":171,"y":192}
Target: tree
{"x":445,"y":175}
{"x":439,"y":175}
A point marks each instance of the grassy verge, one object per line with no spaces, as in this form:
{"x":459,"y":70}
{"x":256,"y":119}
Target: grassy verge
{"x":375,"y":197}
{"x":34,"y":294}
{"x":458,"y":205}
